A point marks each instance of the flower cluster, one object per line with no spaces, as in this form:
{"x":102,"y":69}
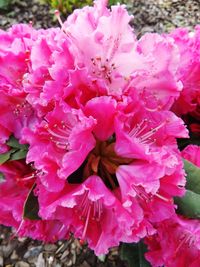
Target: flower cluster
{"x":177,"y":240}
{"x":98,"y":113}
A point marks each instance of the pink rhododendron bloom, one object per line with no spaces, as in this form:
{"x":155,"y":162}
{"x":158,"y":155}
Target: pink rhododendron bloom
{"x":17,"y":181}
{"x":188,"y":70}
{"x":63,"y":137}
{"x":105,"y":44}
{"x":176,"y":243}
{"x":156,"y":81}
{"x":14,"y":189}
{"x":192,"y":153}
{"x":49,"y":231}
{"x":92,"y":104}
{"x":92,"y":211}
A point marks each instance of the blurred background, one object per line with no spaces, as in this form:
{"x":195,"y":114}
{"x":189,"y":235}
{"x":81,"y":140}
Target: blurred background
{"x":149,"y":15}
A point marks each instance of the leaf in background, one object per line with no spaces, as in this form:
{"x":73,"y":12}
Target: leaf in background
{"x":13,"y":142}
{"x":4,"y":4}
{"x":19,"y":154}
{"x":2,"y":177}
{"x":6,"y":156}
{"x":16,"y":152}
{"x":189,"y":205}
{"x":31,"y":206}
{"x":134,"y":254}
{"x":193,"y":176}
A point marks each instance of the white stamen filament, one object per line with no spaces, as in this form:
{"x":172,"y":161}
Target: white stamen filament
{"x":59,"y":135}
{"x":187,"y":239}
{"x":57,"y":14}
{"x":86,"y":222}
{"x":89,"y":210}
{"x":163,"y":198}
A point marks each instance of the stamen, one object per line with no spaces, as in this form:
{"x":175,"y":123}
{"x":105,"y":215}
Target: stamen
{"x":24,"y":109}
{"x":57,"y":14}
{"x":163,"y":198}
{"x":27,"y":178}
{"x":88,"y":207}
{"x":102,"y":69}
{"x":86,"y":222}
{"x":139,"y":128}
{"x":152,"y":132}
{"x":141,"y":193}
{"x":19,"y":228}
{"x":187,"y":238}
{"x":59,"y":134}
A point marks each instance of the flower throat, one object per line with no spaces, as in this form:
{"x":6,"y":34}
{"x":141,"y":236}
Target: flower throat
{"x":101,"y":161}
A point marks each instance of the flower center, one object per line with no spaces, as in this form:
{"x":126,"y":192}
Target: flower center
{"x":23,"y":109}
{"x":102,"y":69}
{"x":102,"y":161}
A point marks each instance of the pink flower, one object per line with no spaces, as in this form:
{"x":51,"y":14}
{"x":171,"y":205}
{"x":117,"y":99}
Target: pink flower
{"x":156,"y":81}
{"x":45,"y":81}
{"x":49,"y":231}
{"x":92,"y":211}
{"x":106,"y":42}
{"x":188,"y":70}
{"x":176,"y":243}
{"x":192,"y":153}
{"x":15,"y":114}
{"x":63,"y":138}
{"x":14,"y":189}
{"x":93,"y":105}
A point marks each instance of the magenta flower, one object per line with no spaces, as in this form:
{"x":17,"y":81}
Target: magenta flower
{"x":93,"y":212}
{"x":60,"y":143}
{"x":188,"y":70}
{"x":93,"y":105}
{"x":176,"y":243}
{"x":17,"y":182}
{"x":192,"y":153}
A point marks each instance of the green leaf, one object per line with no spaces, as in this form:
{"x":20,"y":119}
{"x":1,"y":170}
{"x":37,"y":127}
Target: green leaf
{"x":20,"y":154}
{"x":134,"y":254}
{"x":2,"y":177}
{"x":189,"y":205}
{"x":193,"y":176}
{"x":31,"y":206}
{"x":6,"y":156}
{"x":4,"y":3}
{"x":16,"y":152}
{"x":13,"y":142}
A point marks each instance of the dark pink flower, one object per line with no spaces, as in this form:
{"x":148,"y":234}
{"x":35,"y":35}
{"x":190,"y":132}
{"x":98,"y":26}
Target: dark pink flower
{"x":92,"y":210}
{"x":176,"y":243}
{"x":64,"y":138}
{"x":192,"y":153}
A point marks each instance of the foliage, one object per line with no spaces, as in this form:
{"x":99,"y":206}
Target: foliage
{"x":5,"y":3}
{"x":66,"y":6}
{"x":16,"y":151}
{"x":31,"y":206}
{"x":134,"y":254}
{"x":189,"y":205}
